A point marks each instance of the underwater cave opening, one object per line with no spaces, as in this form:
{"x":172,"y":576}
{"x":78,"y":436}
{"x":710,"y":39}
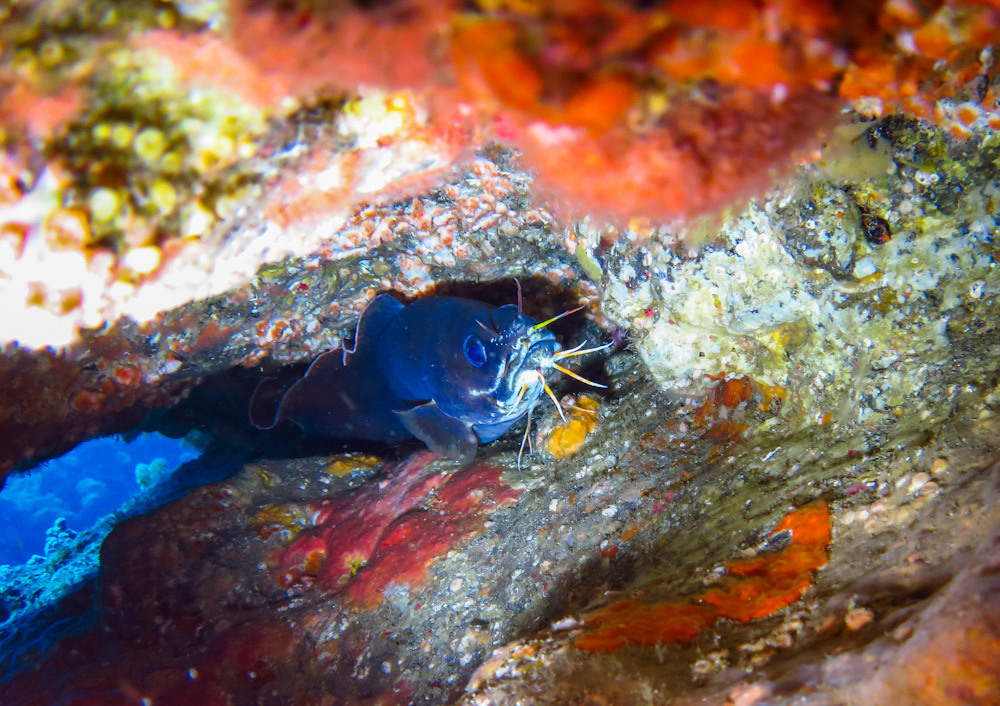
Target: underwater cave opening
{"x":56,"y":517}
{"x":77,"y":491}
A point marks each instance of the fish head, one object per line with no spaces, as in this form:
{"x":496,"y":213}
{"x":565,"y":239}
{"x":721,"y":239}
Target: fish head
{"x":494,"y":372}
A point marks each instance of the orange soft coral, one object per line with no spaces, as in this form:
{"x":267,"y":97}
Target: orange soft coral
{"x":931,"y":64}
{"x":670,"y":110}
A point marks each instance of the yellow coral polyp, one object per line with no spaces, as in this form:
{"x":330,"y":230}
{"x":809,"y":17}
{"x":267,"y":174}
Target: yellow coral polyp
{"x":278,"y":518}
{"x":104,"y":204}
{"x":150,"y":145}
{"x":376,"y":115}
{"x":349,"y":463}
{"x":162,"y":196}
{"x":121,"y":136}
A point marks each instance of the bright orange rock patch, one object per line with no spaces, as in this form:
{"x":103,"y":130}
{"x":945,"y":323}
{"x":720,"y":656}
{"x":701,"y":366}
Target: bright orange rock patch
{"x":566,"y":439}
{"x":607,"y":102}
{"x":768,"y":584}
{"x":754,"y":588}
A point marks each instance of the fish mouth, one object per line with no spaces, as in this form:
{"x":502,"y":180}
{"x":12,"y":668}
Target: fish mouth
{"x":529,"y":380}
{"x":524,"y":381}
{"x":539,"y":355}
{"x":534,"y":352}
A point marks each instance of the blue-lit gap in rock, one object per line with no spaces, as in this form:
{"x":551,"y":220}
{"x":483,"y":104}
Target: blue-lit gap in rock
{"x":56,"y":517}
{"x":75,"y":492}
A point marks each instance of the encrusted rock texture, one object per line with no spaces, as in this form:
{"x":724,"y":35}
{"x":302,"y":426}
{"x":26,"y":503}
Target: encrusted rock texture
{"x":781,"y":216}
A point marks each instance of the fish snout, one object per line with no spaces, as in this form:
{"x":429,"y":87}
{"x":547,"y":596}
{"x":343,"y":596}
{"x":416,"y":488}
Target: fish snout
{"x":540,"y":355}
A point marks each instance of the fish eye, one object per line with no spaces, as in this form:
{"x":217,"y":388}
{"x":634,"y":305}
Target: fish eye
{"x":474,"y":351}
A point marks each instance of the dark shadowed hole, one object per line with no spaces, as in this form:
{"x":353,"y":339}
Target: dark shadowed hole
{"x":57,"y":515}
{"x":220,"y":407}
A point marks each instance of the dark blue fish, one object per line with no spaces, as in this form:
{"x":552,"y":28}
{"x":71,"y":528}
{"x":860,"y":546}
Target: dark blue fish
{"x":451,"y":372}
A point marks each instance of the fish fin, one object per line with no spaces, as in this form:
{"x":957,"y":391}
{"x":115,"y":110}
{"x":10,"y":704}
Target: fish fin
{"x":264,"y":402}
{"x":492,"y":432}
{"x":376,"y":316}
{"x":445,"y":436}
{"x":334,"y":401}
{"x":307,"y":402}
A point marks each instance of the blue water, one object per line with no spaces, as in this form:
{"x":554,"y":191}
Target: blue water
{"x":91,"y":481}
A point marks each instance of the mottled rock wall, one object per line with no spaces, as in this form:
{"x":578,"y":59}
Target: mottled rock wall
{"x":788,"y":488}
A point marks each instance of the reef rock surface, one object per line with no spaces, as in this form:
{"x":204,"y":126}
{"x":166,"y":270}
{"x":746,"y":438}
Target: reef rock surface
{"x":781,"y":216}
